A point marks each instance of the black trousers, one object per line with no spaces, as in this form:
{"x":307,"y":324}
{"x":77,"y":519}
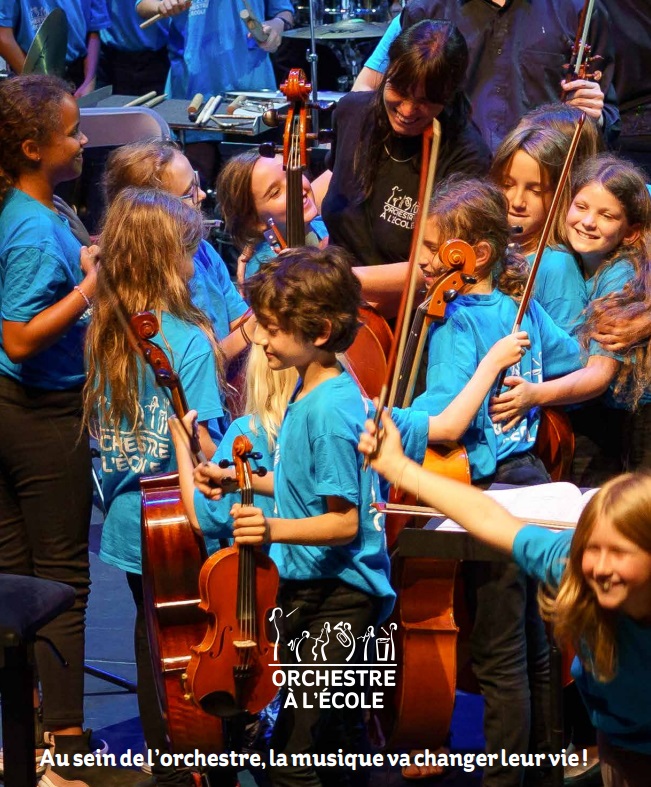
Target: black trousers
{"x":317,"y":607}
{"x":45,"y":508}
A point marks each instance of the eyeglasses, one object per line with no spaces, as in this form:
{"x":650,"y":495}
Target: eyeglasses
{"x":195,"y":188}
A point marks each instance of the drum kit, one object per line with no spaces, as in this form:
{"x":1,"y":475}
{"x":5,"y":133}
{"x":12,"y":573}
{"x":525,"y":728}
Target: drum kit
{"x":346,"y":29}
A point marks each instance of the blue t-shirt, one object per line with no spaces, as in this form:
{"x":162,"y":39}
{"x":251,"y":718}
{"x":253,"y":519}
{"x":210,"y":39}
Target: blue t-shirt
{"x":39,"y":265}
{"x":559,"y":287}
{"x":620,"y":708}
{"x":84,"y":17}
{"x":125,"y":33}
{"x":613,"y":278}
{"x":472,"y":326}
{"x":317,"y":457}
{"x":212,"y":290}
{"x":263,"y":251}
{"x":217,"y":55}
{"x":125,"y":462}
{"x":214,"y":516}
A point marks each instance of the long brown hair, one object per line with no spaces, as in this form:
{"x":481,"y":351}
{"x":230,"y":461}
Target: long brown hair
{"x":546,"y":137}
{"x":137,"y":275}
{"x":235,"y":196}
{"x":627,"y":184}
{"x":576,"y":616}
{"x":30,"y":108}
{"x":475,"y":211}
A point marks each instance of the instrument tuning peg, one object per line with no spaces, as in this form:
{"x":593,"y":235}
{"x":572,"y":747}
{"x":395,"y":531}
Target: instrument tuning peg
{"x":261,"y":471}
{"x":468,"y":279}
{"x":325,"y":135}
{"x":224,"y":463}
{"x":271,"y":118}
{"x":268,"y":149}
{"x":450,"y":295}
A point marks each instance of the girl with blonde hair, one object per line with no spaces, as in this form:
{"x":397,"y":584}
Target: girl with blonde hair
{"x":597,"y":592}
{"x":123,"y":404}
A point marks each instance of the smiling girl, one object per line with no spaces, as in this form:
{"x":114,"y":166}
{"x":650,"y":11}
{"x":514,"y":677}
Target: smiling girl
{"x":597,"y":592}
{"x":608,"y":226}
{"x":372,"y":199}
{"x":252,"y":189}
{"x":527,"y":166}
{"x":47,"y":284}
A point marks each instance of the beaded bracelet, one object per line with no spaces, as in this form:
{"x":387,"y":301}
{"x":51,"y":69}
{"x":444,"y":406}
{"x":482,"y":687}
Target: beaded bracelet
{"x":89,"y":303}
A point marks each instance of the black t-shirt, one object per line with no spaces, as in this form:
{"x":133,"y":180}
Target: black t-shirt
{"x":379,"y":230}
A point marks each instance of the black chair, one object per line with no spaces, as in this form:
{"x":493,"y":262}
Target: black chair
{"x":26,"y":605}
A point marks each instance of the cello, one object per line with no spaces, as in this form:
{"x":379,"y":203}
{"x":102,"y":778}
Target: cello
{"x":365,"y":360}
{"x":172,"y":557}
{"x":231,"y":671}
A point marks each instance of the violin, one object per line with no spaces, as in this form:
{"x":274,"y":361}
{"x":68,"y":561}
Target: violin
{"x":365,"y":360}
{"x":172,"y":556}
{"x":231,"y":671}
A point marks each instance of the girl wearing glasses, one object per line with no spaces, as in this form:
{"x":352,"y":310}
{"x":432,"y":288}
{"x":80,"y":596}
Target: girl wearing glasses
{"x":160,"y":164}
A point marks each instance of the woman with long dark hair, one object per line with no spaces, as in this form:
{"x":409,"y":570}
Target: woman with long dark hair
{"x":379,"y":142}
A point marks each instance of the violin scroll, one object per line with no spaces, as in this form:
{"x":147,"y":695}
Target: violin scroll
{"x":460,"y":257}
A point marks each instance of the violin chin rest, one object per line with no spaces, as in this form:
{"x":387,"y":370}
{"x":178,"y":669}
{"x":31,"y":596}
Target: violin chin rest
{"x":220,"y":703}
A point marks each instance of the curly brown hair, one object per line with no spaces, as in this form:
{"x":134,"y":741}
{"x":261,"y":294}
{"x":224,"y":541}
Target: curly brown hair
{"x":475,"y":211}
{"x":308,"y":290}
{"x":30,"y":108}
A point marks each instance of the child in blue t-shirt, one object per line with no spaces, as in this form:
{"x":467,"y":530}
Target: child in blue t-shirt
{"x":608,"y":226}
{"x":597,"y":595}
{"x":504,"y":631}
{"x":528,"y":165}
{"x":251,"y":190}
{"x":129,"y":409}
{"x":326,"y":538}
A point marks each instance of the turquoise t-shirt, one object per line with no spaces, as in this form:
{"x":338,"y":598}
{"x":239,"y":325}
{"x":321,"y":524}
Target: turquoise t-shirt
{"x":125,"y":463}
{"x":559,"y":287}
{"x":125,"y":32}
{"x":214,"y":516}
{"x":218,"y":56}
{"x":472,"y":326}
{"x":263,"y":251}
{"x":84,"y":17}
{"x":620,"y":708}
{"x":39,"y":265}
{"x":212,"y":290}
{"x":317,"y":457}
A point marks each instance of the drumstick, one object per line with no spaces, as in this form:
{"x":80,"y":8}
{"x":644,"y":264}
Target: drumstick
{"x":195,"y":106}
{"x":151,"y":21}
{"x":141,"y":99}
{"x":254,"y":26}
{"x":156,"y":101}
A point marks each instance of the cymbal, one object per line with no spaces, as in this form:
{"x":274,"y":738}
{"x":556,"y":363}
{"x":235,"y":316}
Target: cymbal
{"x":47,"y":53}
{"x":348,"y":28}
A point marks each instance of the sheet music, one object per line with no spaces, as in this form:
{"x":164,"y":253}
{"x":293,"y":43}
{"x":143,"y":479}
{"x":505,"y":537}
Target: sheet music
{"x":559,"y":501}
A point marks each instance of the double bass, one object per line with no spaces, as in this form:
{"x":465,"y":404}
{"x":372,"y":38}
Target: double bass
{"x":365,"y":360}
{"x":173,"y":554}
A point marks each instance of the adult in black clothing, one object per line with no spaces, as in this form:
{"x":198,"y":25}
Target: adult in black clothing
{"x":372,"y":198}
{"x":517,"y":50}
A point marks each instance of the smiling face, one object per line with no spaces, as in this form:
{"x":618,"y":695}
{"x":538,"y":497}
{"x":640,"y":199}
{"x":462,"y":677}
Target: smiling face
{"x":618,"y":571}
{"x":282,"y":349}
{"x":410,"y":115}
{"x":596,"y":224}
{"x":61,"y":157}
{"x":269,"y":189}
{"x":529,"y":198}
